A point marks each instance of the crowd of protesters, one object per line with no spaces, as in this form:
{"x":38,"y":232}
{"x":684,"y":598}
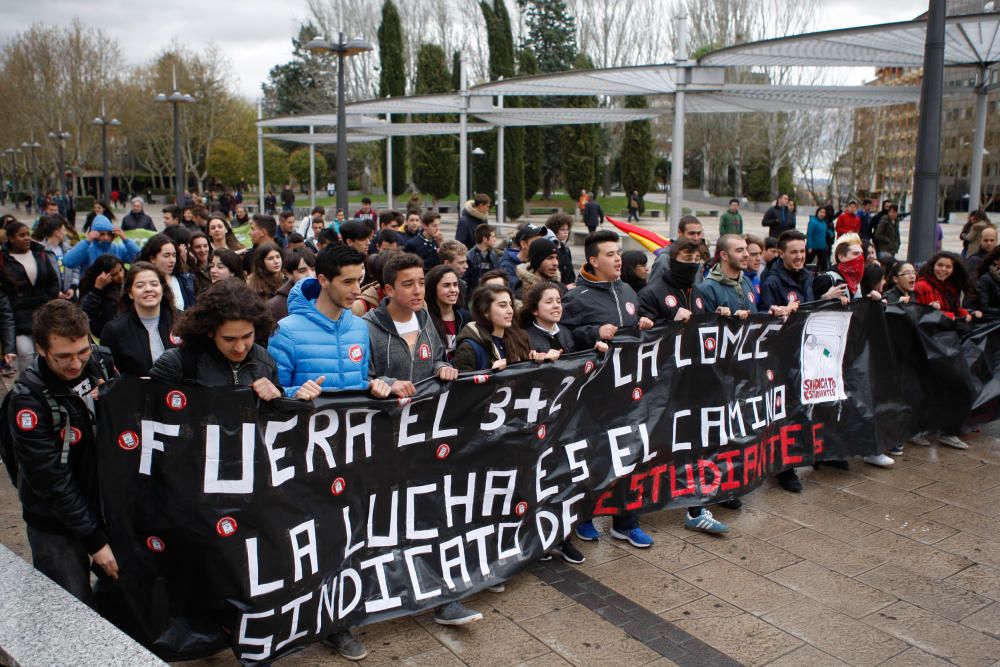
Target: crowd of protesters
{"x":380,"y":301}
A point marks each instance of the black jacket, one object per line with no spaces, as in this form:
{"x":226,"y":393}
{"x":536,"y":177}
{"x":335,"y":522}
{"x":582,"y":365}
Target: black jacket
{"x":128,"y":341}
{"x":779,"y":286}
{"x":778,"y":219}
{"x":101,"y":306}
{"x":58,"y":489}
{"x":7,"y":329}
{"x":595,"y":303}
{"x":662,"y":298}
{"x":208,"y":368}
{"x":567,"y":275}
{"x":593,"y":215}
{"x":25,"y":298}
{"x":137,"y":221}
{"x":540,"y":340}
{"x":426,"y":249}
{"x":988,"y":295}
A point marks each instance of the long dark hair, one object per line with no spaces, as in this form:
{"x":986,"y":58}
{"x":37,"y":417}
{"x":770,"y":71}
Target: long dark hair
{"x":515,"y":341}
{"x":433,"y":278}
{"x":984,"y":266}
{"x":230,"y":260}
{"x":261,"y":280}
{"x":225,"y":301}
{"x":153,"y":247}
{"x":959,"y":277}
{"x":127,"y":305}
{"x":103,"y":264}
{"x":630,"y":260}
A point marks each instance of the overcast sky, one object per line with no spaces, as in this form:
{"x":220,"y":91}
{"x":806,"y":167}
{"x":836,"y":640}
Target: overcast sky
{"x":255,"y":35}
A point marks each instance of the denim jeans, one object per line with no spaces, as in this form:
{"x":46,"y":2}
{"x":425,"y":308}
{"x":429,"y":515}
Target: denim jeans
{"x":64,"y":560}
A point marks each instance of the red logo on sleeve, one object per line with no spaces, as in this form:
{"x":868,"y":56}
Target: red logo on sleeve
{"x":355,"y":353}
{"x":26,"y":420}
{"x":630,"y":307}
{"x":671,"y":301}
{"x":792,"y":297}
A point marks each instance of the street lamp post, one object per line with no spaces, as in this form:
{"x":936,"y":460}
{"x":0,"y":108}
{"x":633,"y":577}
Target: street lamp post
{"x":176,"y":99}
{"x":33,"y":165}
{"x":476,"y":152}
{"x":60,"y":137}
{"x":12,"y":152}
{"x":104,"y":123}
{"x":343,"y":48}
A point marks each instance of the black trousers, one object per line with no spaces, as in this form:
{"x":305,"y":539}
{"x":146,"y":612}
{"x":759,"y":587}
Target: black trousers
{"x":64,"y":560}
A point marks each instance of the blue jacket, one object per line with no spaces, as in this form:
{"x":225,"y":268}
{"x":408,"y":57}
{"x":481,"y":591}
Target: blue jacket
{"x":818,"y":234}
{"x":308,"y":344}
{"x":781,"y":286}
{"x":83,"y":254}
{"x":508,"y":262}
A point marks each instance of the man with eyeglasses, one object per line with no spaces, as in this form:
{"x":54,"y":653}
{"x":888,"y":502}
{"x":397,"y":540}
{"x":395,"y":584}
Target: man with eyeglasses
{"x":100,"y":241}
{"x":51,"y":422}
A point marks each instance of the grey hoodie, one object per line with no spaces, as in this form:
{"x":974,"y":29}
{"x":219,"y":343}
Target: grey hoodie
{"x":391,"y":358}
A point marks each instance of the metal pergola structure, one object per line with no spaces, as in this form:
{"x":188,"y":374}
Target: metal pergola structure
{"x":696,"y":88}
{"x":971,"y":40}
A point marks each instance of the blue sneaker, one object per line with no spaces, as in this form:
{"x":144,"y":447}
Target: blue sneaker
{"x":635,"y":536}
{"x":586,"y":531}
{"x":705,"y":523}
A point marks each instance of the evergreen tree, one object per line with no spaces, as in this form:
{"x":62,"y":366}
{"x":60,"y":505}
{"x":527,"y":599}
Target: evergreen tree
{"x":637,"y":159}
{"x":534,"y":146}
{"x":434,"y":158}
{"x":392,"y":82}
{"x":307,"y":83}
{"x":552,"y":38}
{"x":580,"y":145}
{"x":501,"y":64}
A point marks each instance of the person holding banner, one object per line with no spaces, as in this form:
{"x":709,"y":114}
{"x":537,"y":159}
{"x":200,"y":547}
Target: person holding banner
{"x":727,"y":285}
{"x":988,"y":286}
{"x":596,"y":309}
{"x":941,"y":283}
{"x":142,"y":332}
{"x":903,"y":277}
{"x":407,"y":349}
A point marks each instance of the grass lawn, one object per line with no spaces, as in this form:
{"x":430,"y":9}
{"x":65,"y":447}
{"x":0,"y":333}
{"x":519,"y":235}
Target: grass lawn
{"x":612,"y":205}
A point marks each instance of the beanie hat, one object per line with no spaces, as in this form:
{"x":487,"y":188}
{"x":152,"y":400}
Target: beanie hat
{"x":540,"y":250}
{"x":101,"y":224}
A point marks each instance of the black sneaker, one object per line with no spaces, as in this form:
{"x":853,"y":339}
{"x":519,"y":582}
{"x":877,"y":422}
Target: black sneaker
{"x":347,"y":645}
{"x":569,"y":553}
{"x":733,"y":504}
{"x":789,"y":480}
{"x":456,"y":613}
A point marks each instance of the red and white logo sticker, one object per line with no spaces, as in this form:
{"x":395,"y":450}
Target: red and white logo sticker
{"x":425,"y":351}
{"x":540,"y":432}
{"x":176,"y":400}
{"x":751,"y":296}
{"x":175,"y":339}
{"x":442,"y":452}
{"x":338,"y":486}
{"x":699,"y":303}
{"x":520,"y":508}
{"x":588,"y":367}
{"x":226,"y":526}
{"x":630,"y":307}
{"x":74,"y":435}
{"x":355,"y":353}
{"x":770,"y":375}
{"x":128,"y":440}
{"x":792,"y":296}
{"x":480,"y":379}
{"x":155,"y":544}
{"x":709,"y":344}
{"x":670,"y":300}
{"x":403,"y":400}
{"x":637,"y":393}
{"x":26,"y":420}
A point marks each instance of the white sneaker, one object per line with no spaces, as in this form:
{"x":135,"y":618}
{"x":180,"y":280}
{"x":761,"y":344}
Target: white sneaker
{"x":920,"y":440}
{"x":880,"y":460}
{"x":952,"y":441}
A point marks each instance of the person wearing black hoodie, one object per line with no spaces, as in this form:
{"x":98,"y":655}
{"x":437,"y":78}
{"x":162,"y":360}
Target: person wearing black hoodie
{"x":673,"y":296}
{"x":600,"y":305}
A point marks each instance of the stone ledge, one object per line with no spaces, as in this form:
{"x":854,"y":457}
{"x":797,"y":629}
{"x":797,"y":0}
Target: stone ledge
{"x":41,"y":624}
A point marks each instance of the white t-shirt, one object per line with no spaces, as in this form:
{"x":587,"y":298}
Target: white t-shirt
{"x":30,"y":264}
{"x":410,"y":327}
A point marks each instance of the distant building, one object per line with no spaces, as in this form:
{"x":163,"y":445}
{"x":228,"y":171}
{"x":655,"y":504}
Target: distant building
{"x":885,"y":138}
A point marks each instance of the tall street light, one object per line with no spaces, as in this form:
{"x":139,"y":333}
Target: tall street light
{"x":104,"y":123}
{"x":60,"y":137}
{"x":31,"y":146}
{"x":176,"y":99}
{"x":12,"y":152}
{"x":342,"y":48}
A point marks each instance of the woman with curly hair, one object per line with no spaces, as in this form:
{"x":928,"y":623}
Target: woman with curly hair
{"x":217,"y":343}
{"x":941,"y":283}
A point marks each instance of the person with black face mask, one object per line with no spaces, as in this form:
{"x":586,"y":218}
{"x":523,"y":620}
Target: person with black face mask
{"x":672,"y":294}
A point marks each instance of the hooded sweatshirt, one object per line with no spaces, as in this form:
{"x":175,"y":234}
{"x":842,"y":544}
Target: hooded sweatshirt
{"x":391,"y":357}
{"x":308,"y":344}
{"x":595,"y":303}
{"x":718,"y":289}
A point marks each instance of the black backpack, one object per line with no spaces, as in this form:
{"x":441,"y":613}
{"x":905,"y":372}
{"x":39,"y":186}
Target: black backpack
{"x":59,"y":414}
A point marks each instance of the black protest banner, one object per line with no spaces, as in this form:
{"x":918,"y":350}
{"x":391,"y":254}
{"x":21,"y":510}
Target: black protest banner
{"x":286,"y":521}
